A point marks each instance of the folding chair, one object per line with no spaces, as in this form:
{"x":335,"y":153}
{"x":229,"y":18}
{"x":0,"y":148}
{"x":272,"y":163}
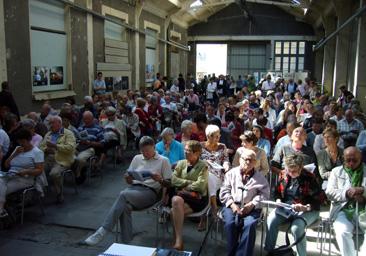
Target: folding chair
{"x":68,"y":172}
{"x":24,"y":193}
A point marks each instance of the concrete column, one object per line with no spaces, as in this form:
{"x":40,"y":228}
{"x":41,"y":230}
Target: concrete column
{"x":340,"y":74}
{"x":90,"y":43}
{"x":3,"y":69}
{"x":138,"y":10}
{"x":165,"y":35}
{"x":329,"y":55}
{"x":360,"y":74}
{"x":319,"y":55}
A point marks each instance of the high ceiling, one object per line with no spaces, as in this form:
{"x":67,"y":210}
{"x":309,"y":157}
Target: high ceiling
{"x":189,"y":12}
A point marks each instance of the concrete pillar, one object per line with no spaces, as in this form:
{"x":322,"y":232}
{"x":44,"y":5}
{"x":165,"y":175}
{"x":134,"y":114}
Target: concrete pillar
{"x":3,"y":69}
{"x":329,"y":55}
{"x":319,"y":55}
{"x":165,"y":46}
{"x":340,"y":74}
{"x":90,"y":43}
{"x":360,"y":74}
{"x":137,"y":15}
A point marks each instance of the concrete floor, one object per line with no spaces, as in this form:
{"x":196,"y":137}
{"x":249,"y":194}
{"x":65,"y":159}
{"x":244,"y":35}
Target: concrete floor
{"x":63,"y":227}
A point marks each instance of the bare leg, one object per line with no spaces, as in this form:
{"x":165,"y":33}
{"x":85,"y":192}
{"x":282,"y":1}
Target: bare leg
{"x":179,"y":210}
{"x":202,"y":224}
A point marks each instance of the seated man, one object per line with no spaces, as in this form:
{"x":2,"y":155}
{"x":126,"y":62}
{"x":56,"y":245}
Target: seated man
{"x":91,"y":138}
{"x":346,"y":186}
{"x":147,"y":174}
{"x":241,"y":193}
{"x":58,"y":146}
{"x":190,"y":179}
{"x":300,"y":189}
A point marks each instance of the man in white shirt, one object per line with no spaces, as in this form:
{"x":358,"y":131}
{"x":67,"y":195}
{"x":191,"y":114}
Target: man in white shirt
{"x":268,"y":84}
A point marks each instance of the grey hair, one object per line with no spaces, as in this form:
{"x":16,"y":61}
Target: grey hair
{"x":294,"y":160}
{"x":211,"y":129}
{"x":185,"y":124}
{"x":167,"y":131}
{"x":58,"y":118}
{"x":146,"y":141}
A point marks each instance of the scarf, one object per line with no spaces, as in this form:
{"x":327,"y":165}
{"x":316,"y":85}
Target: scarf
{"x":356,"y":181}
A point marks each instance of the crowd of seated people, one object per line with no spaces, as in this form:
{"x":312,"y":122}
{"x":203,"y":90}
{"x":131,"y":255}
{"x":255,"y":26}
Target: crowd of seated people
{"x":206,"y":139}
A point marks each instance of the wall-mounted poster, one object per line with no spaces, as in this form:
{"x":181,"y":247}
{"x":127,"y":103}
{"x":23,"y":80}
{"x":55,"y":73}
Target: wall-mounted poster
{"x":57,"y":75}
{"x":116,"y":83}
{"x":40,"y":76}
{"x":149,"y":74}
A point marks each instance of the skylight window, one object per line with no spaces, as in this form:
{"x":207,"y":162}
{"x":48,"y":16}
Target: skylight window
{"x":195,"y":4}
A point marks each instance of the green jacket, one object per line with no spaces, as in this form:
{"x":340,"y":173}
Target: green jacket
{"x":195,"y":180}
{"x":66,"y":144}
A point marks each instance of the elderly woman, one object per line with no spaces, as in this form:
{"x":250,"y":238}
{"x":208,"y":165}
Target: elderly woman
{"x":169,"y":147}
{"x":147,"y":176}
{"x":249,"y":141}
{"x":190,"y":179}
{"x":262,"y":142}
{"x":241,"y":193}
{"x":216,"y":156}
{"x":25,"y":163}
{"x":319,"y":138}
{"x":146,"y":126}
{"x":331,"y":156}
{"x":30,"y":125}
{"x":300,"y":189}
{"x":298,"y":138}
{"x":186,"y":133}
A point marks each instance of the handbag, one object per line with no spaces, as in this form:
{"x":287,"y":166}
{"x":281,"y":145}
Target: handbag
{"x":286,"y":250}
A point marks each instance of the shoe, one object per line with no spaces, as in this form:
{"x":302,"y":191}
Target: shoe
{"x":60,"y":199}
{"x":97,"y":237}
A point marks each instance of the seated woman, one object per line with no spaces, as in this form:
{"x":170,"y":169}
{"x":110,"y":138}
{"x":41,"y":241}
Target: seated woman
{"x":30,"y":125}
{"x":169,"y":147}
{"x":249,"y":141}
{"x":149,"y":173}
{"x":331,"y":156}
{"x":216,"y":156}
{"x":300,"y":189}
{"x":190,"y":177}
{"x":241,"y":193}
{"x":186,"y":133}
{"x":262,"y":142}
{"x":25,"y":163}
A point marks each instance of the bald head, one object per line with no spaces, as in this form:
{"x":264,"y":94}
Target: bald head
{"x":352,"y":157}
{"x":88,"y":118}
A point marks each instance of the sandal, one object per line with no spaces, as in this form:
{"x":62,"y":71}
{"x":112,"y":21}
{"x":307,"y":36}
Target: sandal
{"x":3,"y":214}
{"x":201,"y":226}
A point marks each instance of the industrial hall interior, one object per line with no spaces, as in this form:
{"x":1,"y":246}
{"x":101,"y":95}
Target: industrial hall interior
{"x":183,"y":127}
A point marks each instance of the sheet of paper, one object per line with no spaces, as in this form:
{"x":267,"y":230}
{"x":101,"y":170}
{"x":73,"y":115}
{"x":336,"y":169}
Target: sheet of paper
{"x":277,"y":204}
{"x":310,"y":167}
{"x":129,"y":250}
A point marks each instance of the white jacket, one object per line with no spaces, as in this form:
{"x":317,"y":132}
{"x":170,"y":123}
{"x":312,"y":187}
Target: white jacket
{"x":338,"y":184}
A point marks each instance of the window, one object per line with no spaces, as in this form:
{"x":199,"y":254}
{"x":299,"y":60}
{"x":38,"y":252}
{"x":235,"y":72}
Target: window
{"x":278,"y":48}
{"x":301,"y":64}
{"x":151,"y":52}
{"x":293,"y":47}
{"x":291,"y":58}
{"x":48,"y":46}
{"x":286,"y":47}
{"x":113,"y":30}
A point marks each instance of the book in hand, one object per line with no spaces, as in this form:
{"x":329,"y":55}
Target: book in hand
{"x":140,"y":175}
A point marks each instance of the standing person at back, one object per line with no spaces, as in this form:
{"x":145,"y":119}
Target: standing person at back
{"x":268,"y":84}
{"x":99,"y":84}
{"x":7,"y":99}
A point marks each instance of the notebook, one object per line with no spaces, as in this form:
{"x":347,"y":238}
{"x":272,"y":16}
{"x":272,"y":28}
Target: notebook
{"x":128,"y":250}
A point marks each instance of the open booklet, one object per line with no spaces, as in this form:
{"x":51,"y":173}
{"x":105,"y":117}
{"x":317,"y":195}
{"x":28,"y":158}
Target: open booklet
{"x":277,"y":204}
{"x":214,"y":165}
{"x":140,"y":175}
{"x":310,"y":167}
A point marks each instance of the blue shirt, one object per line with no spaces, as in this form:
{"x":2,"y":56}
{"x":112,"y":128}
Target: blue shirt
{"x":265,"y":145}
{"x":175,"y":154}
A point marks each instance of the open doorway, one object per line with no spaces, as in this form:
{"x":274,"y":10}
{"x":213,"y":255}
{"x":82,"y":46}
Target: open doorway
{"x":211,"y":58}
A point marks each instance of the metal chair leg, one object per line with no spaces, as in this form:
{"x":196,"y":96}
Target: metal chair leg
{"x":23,"y":202}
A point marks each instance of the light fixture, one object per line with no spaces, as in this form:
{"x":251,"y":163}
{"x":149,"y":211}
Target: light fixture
{"x":195,"y":4}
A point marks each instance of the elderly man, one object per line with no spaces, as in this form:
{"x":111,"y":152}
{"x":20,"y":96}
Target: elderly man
{"x":346,"y":186}
{"x":350,"y":124}
{"x":91,"y":138}
{"x":148,"y":173}
{"x":59,"y":147}
{"x":241,"y":194}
